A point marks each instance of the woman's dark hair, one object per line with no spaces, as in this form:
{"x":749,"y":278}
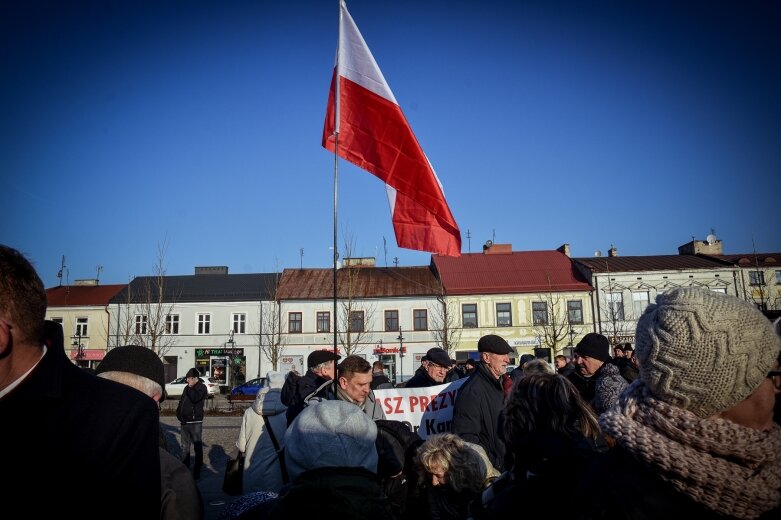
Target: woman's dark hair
{"x":548,"y":403}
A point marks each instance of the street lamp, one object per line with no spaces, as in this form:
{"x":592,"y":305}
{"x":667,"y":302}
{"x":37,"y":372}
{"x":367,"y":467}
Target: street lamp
{"x":401,"y":356}
{"x":79,"y":347}
{"x":571,"y":336}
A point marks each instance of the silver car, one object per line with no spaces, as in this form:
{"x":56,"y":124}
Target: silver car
{"x":176,"y":387}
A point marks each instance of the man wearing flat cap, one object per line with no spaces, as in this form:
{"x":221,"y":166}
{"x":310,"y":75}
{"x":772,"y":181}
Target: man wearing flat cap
{"x":478,"y":411}
{"x":434,"y":372}
{"x":140,"y":368}
{"x":321,"y":368}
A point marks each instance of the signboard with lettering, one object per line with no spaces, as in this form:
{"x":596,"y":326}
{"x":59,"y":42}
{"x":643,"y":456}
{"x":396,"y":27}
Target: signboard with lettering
{"x":424,"y":410}
{"x":288,"y":363}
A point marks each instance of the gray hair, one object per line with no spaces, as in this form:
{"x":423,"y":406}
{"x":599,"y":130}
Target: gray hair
{"x":140,"y":383}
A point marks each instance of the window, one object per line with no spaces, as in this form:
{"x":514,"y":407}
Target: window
{"x":575,"y":312}
{"x":504,"y":316}
{"x":323,"y":321}
{"x":239,"y":323}
{"x":778,"y":282}
{"x":639,"y":302}
{"x":420,"y":319}
{"x":172,"y":324}
{"x":469,"y":315}
{"x":539,"y":313}
{"x":356,"y":321}
{"x":204,"y":324}
{"x":615,"y":305}
{"x":57,"y":320}
{"x":141,"y":324}
{"x":391,"y":320}
{"x":294,"y":322}
{"x":81,"y":327}
{"x":722,"y":290}
{"x":756,"y":278}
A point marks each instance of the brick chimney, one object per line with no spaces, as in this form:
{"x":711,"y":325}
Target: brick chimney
{"x":497,"y":249}
{"x":564,"y":248}
{"x":613,"y":251}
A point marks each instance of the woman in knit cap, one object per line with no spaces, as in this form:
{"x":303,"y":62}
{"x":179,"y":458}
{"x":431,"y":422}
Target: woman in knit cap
{"x":695,"y":435}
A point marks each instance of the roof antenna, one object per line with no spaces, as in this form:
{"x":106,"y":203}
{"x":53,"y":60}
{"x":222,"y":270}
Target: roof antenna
{"x":98,"y":268}
{"x":62,"y":268}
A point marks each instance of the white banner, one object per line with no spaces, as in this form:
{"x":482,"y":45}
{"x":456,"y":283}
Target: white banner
{"x":427,"y":410}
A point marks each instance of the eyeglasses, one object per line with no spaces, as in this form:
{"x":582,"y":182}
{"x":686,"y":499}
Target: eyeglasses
{"x":775,"y":375}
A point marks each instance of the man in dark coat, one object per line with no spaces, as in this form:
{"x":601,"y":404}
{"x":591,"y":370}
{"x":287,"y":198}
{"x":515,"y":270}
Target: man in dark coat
{"x":379,"y":380}
{"x":190,"y":415}
{"x":477,"y":414}
{"x":321,"y":368}
{"x":65,"y":425}
{"x":604,"y":379}
{"x":435,"y":371}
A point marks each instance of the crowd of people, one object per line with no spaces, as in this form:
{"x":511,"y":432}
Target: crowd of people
{"x":680,"y":425}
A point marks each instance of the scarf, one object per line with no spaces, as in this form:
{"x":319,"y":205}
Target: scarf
{"x":728,"y":468}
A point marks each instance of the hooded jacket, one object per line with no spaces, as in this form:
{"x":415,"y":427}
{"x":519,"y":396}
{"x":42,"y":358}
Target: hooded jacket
{"x":262,"y":470}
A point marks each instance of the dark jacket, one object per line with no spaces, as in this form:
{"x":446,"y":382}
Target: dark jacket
{"x":641,"y":494}
{"x":98,"y":439}
{"x":545,"y":464}
{"x":190,"y":407}
{"x":627,"y":369}
{"x":344,"y":493}
{"x":380,"y":381}
{"x":421,"y":379}
{"x":479,"y":412}
{"x":566,"y":370}
{"x":181,"y":499}
{"x":304,"y":386}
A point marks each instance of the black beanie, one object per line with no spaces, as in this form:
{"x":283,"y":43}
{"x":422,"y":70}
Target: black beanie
{"x":134,"y":359}
{"x":193,"y":372}
{"x":595,"y":346}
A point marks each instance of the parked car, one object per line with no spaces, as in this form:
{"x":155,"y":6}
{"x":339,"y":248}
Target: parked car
{"x":251,"y":387}
{"x":176,"y":387}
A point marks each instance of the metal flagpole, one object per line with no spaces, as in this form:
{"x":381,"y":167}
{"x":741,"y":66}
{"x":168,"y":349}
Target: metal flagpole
{"x":336,"y":183}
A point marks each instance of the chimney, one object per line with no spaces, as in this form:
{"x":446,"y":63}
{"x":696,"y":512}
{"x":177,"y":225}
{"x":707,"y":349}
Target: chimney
{"x":368,"y":261}
{"x":497,"y":249}
{"x":710,"y":246}
{"x":564,"y":248}
{"x":88,"y":282}
{"x":613,"y":251}
{"x":211,"y":269}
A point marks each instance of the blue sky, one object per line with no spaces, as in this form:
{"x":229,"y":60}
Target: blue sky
{"x":125,"y":125}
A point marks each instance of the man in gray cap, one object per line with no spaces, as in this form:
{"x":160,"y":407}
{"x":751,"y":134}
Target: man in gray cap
{"x":435,"y":371}
{"x":140,"y":368}
{"x":480,"y":402}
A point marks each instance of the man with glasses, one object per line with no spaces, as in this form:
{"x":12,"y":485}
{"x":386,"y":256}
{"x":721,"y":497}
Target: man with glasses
{"x":434,"y":372}
{"x":480,"y":402}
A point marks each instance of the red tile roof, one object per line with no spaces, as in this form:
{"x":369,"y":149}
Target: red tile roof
{"x":369,"y":282}
{"x":76,"y":295}
{"x":515,"y":272}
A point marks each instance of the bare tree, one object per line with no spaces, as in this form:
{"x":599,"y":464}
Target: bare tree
{"x":271,"y":337}
{"x":145,"y":320}
{"x":355,"y":314}
{"x":445,"y":322}
{"x":551,"y":322}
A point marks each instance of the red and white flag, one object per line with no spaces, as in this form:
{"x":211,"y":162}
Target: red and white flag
{"x":375,"y":136}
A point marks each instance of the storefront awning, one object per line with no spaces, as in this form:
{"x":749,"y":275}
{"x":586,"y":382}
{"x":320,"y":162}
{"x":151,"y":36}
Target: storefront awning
{"x":88,"y":354}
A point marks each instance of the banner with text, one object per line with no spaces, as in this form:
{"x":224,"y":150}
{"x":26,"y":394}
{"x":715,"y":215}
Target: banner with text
{"x":426,"y":410}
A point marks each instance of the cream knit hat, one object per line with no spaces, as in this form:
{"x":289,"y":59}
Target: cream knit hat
{"x":704,"y":351}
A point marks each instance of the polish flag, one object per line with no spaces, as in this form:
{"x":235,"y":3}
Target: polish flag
{"x":375,"y":136}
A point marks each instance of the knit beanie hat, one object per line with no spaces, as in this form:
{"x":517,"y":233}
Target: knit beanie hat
{"x":330,"y":434}
{"x":595,"y":346}
{"x":134,"y":359}
{"x":704,"y":351}
{"x":193,"y":372}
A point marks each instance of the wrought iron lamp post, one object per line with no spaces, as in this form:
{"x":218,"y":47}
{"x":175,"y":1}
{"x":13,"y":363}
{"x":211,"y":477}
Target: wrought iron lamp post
{"x":401,"y":356}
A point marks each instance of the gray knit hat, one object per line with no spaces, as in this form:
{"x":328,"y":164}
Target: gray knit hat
{"x":704,"y":351}
{"x":330,"y":434}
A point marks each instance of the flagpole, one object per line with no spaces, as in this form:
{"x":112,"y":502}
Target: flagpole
{"x":336,"y":185}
